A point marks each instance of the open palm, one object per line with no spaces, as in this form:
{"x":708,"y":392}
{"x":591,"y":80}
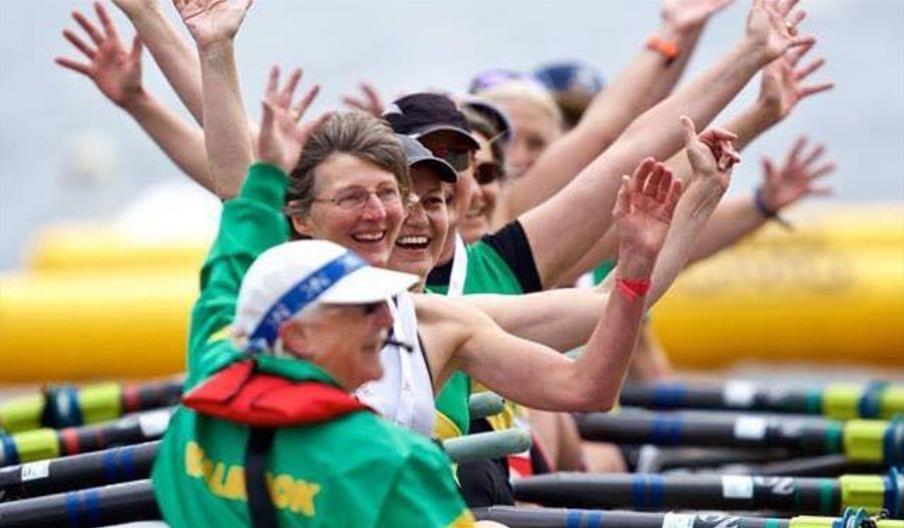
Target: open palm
{"x":782,"y":85}
{"x":644,"y":208}
{"x":282,"y":134}
{"x":795,"y":180}
{"x":689,"y":14}
{"x":211,"y":21}
{"x":115,"y":70}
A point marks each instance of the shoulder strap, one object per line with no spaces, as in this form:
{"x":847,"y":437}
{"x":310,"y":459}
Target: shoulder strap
{"x":260,"y":508}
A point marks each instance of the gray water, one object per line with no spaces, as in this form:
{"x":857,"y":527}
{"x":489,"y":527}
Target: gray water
{"x":55,"y":125}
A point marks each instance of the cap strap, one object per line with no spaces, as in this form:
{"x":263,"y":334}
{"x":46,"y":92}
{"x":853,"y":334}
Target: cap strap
{"x":300,"y":295}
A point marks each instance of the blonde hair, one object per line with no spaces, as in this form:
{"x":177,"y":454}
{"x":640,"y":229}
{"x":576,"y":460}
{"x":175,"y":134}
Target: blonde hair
{"x":525,"y":92}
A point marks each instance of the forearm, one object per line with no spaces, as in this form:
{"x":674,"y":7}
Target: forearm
{"x":226,"y":133}
{"x":603,"y":249}
{"x":732,"y":221}
{"x":610,"y":112}
{"x":174,"y":55}
{"x":693,"y":212}
{"x":686,"y":41}
{"x":182,"y":142}
{"x":601,"y":368}
{"x":553,"y":229}
{"x":561,"y":319}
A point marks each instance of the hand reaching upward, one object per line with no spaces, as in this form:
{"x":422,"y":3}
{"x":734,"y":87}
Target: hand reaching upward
{"x":782,"y":85}
{"x":686,"y":15}
{"x":772,"y":27}
{"x":643,"y":209}
{"x":282,"y":136}
{"x":711,"y":153}
{"x":115,"y":70}
{"x":212,"y":21}
{"x":371,"y":102}
{"x":786,"y":185}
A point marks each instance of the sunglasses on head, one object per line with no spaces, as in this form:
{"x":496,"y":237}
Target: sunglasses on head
{"x":487,"y":172}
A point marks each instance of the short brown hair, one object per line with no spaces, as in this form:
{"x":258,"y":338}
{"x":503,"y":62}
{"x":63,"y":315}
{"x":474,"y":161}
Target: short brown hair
{"x":355,"y":133}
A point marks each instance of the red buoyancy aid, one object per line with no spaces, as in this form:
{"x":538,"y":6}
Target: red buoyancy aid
{"x":240,"y":393}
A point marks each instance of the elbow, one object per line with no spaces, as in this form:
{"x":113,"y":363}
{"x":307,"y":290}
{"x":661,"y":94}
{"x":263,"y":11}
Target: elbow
{"x":593,"y":399}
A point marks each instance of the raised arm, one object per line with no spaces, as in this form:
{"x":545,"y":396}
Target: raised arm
{"x":252,"y":222}
{"x":562,"y":229}
{"x":175,"y":56}
{"x":542,"y":378}
{"x":782,"y":186}
{"x":116,"y":72}
{"x":782,"y":88}
{"x":648,"y":78}
{"x":213,"y":25}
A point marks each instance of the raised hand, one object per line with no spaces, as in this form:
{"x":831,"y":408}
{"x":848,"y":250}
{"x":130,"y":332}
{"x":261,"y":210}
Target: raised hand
{"x":212,"y":21}
{"x":132,"y":6}
{"x":711,"y":154}
{"x":282,"y":136}
{"x":785,"y":185}
{"x":369,"y":101}
{"x":782,"y":85}
{"x":687,"y":15}
{"x":115,"y":70}
{"x":772,"y":27}
{"x":644,"y":207}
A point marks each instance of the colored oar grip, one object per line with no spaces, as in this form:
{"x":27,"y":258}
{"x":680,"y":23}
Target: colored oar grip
{"x":482,"y":446}
{"x":485,"y":404}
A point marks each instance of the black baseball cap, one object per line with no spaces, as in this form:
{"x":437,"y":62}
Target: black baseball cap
{"x":419,"y":114}
{"x":417,"y":154}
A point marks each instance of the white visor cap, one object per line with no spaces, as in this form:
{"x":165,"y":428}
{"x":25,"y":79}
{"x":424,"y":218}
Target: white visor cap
{"x":281,"y":269}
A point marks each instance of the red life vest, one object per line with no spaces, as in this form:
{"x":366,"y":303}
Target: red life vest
{"x":240,"y":393}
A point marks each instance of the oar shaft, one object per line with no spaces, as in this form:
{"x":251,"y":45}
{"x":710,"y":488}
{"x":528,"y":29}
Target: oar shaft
{"x":119,"y":464}
{"x":115,"y":504}
{"x":43,"y":444}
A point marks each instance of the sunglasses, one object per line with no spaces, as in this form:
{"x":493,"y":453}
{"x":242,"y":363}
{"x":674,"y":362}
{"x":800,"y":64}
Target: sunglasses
{"x":459,"y":158}
{"x":488,"y":172}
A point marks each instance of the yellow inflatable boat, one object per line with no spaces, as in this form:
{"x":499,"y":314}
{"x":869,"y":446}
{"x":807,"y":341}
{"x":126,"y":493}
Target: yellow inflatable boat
{"x":96,"y":304}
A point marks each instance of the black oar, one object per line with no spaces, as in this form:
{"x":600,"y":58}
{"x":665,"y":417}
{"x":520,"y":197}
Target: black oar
{"x":114,"y":504}
{"x":43,"y":444}
{"x":652,"y":492}
{"x":862,"y":441}
{"x":58,"y":406}
{"x":840,"y":401}
{"x":515,"y":517}
{"x":132,"y":462}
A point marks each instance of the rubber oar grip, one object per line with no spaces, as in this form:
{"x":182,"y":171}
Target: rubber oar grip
{"x":485,"y":404}
{"x":482,"y":446}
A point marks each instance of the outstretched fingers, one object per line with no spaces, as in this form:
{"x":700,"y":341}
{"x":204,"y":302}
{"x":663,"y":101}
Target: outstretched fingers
{"x":89,"y":28}
{"x":272,"y":84}
{"x":288,"y":92}
{"x":75,"y":66}
{"x":641,"y":173}
{"x":106,"y":22}
{"x":622,"y":199}
{"x":305,"y":102}
{"x":80,"y":44}
{"x":807,"y":70}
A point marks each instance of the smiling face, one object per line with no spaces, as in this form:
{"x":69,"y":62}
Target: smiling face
{"x":533,"y":129}
{"x":344,"y":340}
{"x":476,"y":221}
{"x":463,"y":191}
{"x":423,"y":233}
{"x":369,"y":229}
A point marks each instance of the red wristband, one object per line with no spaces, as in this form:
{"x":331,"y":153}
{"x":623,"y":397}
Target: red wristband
{"x":667,"y":49}
{"x":632,"y":289}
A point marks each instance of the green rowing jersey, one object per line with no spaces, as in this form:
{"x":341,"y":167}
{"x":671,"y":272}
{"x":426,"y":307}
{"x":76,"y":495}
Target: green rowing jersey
{"x":355,"y":470}
{"x":500,"y":263}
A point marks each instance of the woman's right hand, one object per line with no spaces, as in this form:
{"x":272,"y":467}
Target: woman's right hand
{"x":283,"y":135}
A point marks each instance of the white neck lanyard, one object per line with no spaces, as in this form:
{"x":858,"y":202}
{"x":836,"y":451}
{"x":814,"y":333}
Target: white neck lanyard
{"x":459,"y":268}
{"x":405,"y":411}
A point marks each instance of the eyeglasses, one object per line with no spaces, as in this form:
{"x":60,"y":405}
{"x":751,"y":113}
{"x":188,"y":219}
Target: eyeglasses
{"x":459,"y":158}
{"x":357,"y":197}
{"x":488,"y":172}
